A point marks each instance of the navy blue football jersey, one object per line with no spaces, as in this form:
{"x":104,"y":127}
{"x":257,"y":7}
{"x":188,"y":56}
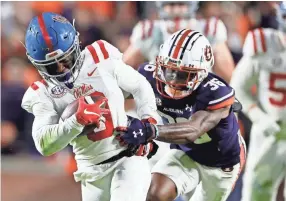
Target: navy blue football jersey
{"x":220,"y":146}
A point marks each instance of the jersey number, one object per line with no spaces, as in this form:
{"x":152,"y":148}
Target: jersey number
{"x":149,"y":68}
{"x":215,"y":84}
{"x":201,"y":140}
{"x":105,"y":130}
{"x":275,"y":78}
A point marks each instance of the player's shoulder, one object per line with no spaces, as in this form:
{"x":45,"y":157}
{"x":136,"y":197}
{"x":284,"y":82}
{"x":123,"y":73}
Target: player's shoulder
{"x":214,"y":29}
{"x":147,"y":70}
{"x":262,"y":41}
{"x":102,"y":50}
{"x":215,"y":92}
{"x":34,"y":94}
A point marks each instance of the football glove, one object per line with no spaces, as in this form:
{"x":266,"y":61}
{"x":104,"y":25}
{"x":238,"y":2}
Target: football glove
{"x":88,"y":114}
{"x":137,"y":132}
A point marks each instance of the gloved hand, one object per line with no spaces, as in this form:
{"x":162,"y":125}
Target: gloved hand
{"x":88,"y":114}
{"x":137,"y":132}
{"x":262,"y":122}
{"x":148,"y":150}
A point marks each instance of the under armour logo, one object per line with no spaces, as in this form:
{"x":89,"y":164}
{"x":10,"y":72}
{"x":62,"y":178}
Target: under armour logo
{"x":137,"y":133}
{"x":188,"y":108}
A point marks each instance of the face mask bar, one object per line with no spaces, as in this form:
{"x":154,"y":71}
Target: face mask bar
{"x":177,"y":77}
{"x":71,"y":60}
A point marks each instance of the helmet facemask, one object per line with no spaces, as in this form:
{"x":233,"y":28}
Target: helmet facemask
{"x":175,"y":80}
{"x":61,"y":68}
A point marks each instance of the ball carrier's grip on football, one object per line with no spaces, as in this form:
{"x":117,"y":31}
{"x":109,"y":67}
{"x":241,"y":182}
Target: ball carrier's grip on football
{"x":88,"y":111}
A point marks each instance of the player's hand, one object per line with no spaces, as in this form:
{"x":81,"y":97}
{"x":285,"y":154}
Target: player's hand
{"x":137,"y":132}
{"x":91,"y":113}
{"x":267,"y":126}
{"x":149,"y":150}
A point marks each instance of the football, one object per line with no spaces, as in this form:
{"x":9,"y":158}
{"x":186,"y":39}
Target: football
{"x":73,"y":106}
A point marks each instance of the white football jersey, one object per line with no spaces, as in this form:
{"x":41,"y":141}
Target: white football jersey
{"x":102,"y":72}
{"x":263,"y":64}
{"x":148,"y":35}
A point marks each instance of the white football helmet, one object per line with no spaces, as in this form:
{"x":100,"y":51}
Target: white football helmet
{"x":184,"y":61}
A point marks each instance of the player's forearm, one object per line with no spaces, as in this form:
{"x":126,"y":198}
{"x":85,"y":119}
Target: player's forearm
{"x":188,"y":132}
{"x":242,"y":80}
{"x":50,"y":139}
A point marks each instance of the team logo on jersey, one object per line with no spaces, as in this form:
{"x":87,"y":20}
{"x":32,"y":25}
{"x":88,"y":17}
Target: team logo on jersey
{"x":158,"y":101}
{"x":58,"y":91}
{"x":208,"y":53}
{"x":82,"y":90}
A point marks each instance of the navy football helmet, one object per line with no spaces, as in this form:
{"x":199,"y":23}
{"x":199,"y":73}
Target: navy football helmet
{"x":52,"y":45}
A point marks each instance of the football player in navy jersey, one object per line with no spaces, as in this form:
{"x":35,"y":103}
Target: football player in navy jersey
{"x":207,"y":151}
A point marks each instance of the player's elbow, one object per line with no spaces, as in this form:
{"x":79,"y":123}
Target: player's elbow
{"x":43,"y":147}
{"x":45,"y":150}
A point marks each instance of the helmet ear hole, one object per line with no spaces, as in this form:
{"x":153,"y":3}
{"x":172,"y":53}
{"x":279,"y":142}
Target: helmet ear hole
{"x":161,"y":46}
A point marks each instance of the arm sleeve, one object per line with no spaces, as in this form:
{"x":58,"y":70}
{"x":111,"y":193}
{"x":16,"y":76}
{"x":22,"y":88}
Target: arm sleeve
{"x":49,"y":136}
{"x":133,"y":82}
{"x":129,"y":80}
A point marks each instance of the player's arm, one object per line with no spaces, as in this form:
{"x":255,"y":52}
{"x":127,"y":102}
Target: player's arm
{"x":224,"y":64}
{"x":133,"y":56}
{"x":187,"y":132}
{"x":131,"y":81}
{"x":49,"y":135}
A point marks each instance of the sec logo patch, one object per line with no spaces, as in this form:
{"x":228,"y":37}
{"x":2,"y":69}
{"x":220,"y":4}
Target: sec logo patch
{"x":58,"y":91}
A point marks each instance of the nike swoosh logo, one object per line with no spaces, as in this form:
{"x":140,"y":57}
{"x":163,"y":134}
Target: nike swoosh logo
{"x":88,"y":112}
{"x":90,"y":74}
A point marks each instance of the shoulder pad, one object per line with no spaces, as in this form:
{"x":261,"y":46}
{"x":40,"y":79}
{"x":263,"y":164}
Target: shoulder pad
{"x":34,"y":94}
{"x":215,"y":30}
{"x":101,"y":50}
{"x":263,"y":40}
{"x":147,"y":70}
{"x":216,"y":93}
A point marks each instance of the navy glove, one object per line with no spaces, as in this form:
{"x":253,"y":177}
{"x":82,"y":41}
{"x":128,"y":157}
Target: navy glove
{"x":137,"y":132}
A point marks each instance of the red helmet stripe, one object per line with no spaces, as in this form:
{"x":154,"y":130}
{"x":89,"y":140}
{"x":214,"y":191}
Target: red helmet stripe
{"x":45,"y":32}
{"x":180,"y":43}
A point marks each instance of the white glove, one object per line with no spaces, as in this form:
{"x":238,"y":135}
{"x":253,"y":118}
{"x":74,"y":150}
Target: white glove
{"x":265,"y":123}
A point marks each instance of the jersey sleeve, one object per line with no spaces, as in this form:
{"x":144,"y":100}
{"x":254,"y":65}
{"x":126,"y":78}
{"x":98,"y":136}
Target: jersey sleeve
{"x":215,"y":31}
{"x":216,"y":94}
{"x":128,"y":79}
{"x":49,"y":136}
{"x":147,"y":70}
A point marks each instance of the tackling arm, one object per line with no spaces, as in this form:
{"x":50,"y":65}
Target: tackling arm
{"x":187,"y":132}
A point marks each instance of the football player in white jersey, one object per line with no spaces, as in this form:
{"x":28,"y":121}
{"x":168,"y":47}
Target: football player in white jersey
{"x":52,"y":45}
{"x":264,"y":64}
{"x":148,"y":35}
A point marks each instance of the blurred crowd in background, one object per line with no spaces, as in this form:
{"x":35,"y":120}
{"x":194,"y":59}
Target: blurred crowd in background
{"x":111,"y":21}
